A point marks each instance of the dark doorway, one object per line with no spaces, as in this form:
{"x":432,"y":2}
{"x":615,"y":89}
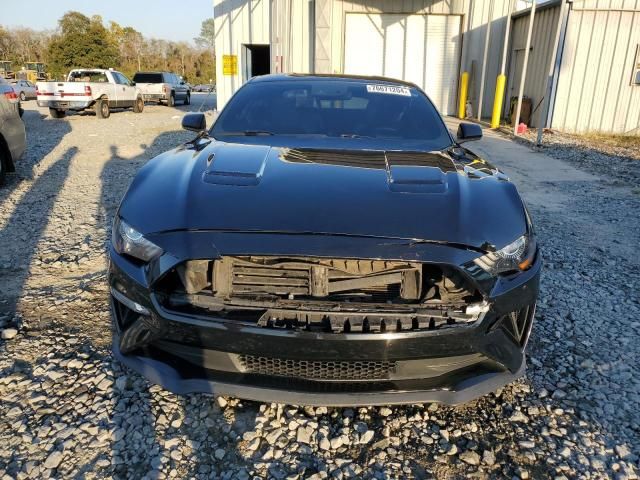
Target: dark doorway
{"x":257,"y":60}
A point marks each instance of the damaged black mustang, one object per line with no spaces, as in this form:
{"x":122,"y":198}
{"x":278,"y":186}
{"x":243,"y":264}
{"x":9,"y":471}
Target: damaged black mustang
{"x":326,"y":242}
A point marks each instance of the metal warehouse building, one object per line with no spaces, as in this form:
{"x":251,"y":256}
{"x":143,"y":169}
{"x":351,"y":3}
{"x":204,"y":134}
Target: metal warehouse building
{"x":583,"y":58}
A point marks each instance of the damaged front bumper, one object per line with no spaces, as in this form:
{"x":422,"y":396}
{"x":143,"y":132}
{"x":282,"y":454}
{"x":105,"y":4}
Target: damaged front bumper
{"x":196,"y":352}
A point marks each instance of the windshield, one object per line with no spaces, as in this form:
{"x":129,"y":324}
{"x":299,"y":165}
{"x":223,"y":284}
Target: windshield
{"x":147,"y":78}
{"x":346,"y":109}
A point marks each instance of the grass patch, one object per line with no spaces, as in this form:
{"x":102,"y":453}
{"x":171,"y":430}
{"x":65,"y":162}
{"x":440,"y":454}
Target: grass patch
{"x":632,"y":141}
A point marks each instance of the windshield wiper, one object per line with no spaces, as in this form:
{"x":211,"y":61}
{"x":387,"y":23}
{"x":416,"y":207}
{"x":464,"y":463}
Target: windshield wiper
{"x":246,"y":133}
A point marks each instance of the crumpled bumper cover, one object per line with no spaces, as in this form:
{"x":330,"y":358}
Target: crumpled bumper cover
{"x":170,"y":378}
{"x":192,"y":353}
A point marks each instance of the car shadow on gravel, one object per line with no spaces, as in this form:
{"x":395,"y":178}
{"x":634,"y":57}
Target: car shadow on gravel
{"x":24,"y":230}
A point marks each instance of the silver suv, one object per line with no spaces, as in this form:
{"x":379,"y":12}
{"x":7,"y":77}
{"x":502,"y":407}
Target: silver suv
{"x":163,"y":87}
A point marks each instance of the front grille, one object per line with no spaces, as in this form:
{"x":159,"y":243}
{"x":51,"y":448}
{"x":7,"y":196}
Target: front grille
{"x":266,"y":279}
{"x":317,"y":369}
{"x":359,"y":280}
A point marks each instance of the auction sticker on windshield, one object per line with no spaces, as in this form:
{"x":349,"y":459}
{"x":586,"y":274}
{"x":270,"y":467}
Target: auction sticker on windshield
{"x":389,"y":89}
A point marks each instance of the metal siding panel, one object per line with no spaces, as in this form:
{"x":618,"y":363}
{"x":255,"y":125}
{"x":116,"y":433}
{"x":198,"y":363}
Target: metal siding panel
{"x":599,"y":110}
{"x":566,"y":71}
{"x":624,"y":73}
{"x":591,"y":87}
{"x":597,"y":95}
{"x":579,"y":68}
{"x":592,"y":52}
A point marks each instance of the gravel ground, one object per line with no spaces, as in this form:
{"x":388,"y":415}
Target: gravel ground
{"x":604,"y":155}
{"x":68,"y":410}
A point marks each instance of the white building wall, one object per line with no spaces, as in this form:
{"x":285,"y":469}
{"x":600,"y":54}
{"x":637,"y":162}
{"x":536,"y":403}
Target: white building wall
{"x":595,"y":92}
{"x":237,"y":22}
{"x":284,"y":24}
{"x":476,"y":14}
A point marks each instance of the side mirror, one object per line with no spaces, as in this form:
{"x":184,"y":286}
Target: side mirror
{"x":195,"y":122}
{"x":468,"y":132}
{"x":133,"y":84}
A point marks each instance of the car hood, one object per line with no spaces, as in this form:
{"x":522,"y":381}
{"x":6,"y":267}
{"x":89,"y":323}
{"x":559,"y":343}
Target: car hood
{"x":446,"y":197}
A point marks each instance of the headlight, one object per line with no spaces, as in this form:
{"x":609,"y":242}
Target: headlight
{"x":518,"y":255}
{"x":127,"y":240}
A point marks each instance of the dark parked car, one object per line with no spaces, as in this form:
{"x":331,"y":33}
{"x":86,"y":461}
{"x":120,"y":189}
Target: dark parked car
{"x":327,"y":241}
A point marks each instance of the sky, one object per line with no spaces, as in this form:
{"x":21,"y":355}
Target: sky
{"x":167,"y":19}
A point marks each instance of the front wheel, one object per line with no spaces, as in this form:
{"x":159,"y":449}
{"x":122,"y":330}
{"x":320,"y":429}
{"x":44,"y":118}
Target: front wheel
{"x":187,"y":99}
{"x":102,"y":108}
{"x":138,"y":106}
{"x":55,"y":113}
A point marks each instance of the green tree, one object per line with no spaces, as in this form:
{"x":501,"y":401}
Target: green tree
{"x":207,"y":41}
{"x":82,"y":42}
{"x":5,"y":44}
{"x":207,"y":38}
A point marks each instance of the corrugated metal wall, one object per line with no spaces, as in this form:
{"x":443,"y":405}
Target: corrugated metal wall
{"x":330,"y":16}
{"x":291,"y":36}
{"x":542,"y":37}
{"x":594,"y":88}
{"x":240,"y":22}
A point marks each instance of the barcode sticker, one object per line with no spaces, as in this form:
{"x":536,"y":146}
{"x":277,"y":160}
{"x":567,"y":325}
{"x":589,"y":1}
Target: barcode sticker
{"x":389,"y":90}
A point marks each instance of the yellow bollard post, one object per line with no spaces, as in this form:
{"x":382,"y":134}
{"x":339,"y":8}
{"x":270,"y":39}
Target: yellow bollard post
{"x":497,"y":101}
{"x":464,"y":87}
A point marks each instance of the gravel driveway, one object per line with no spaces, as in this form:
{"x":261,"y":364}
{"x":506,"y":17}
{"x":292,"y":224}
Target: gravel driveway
{"x":68,"y":410}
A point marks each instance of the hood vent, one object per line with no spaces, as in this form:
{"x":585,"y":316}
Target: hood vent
{"x":237,"y":165}
{"x":408,"y":172}
{"x":341,"y":158}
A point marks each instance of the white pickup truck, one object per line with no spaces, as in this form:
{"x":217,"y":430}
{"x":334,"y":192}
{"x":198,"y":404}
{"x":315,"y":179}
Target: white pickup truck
{"x":99,"y":89}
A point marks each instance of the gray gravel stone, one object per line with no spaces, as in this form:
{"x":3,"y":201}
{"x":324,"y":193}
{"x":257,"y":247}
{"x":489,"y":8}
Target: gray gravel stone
{"x":9,"y":333}
{"x":53,"y":460}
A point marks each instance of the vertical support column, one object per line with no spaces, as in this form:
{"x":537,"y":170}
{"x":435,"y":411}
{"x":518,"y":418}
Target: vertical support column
{"x":487,"y":39}
{"x":552,"y":68}
{"x":464,"y":89}
{"x":524,"y":68}
{"x":502,"y":78}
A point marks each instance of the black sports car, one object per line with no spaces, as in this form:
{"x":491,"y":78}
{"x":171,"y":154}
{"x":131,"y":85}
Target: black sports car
{"x":326,"y":242}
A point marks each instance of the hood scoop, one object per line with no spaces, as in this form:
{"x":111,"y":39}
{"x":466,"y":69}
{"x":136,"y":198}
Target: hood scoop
{"x":418,"y":172}
{"x":234,"y":164}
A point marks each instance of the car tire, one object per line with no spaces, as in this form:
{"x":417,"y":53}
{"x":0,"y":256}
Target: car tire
{"x":55,"y":113}
{"x":187,"y":99}
{"x":172,"y":101}
{"x":138,"y":106}
{"x":23,"y":97}
{"x":102,"y":108}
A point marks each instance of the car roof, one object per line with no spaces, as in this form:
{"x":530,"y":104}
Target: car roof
{"x":323,"y":77}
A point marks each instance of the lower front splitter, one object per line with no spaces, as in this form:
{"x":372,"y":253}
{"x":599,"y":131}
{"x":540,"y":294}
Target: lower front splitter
{"x":163,"y":374}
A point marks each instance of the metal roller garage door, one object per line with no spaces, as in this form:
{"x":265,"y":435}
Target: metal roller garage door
{"x":423,"y":49}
